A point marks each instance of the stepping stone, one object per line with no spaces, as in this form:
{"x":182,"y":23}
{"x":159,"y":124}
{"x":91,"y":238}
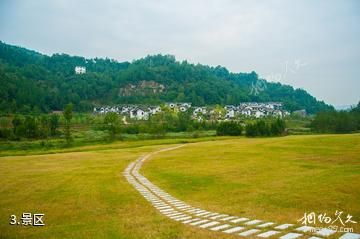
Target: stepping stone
{"x":163,"y":207}
{"x":234,"y":229}
{"x":199,"y":222}
{"x":305,"y":229}
{"x":210,"y":224}
{"x":219,"y":216}
{"x":174,"y":214}
{"x":198,"y":211}
{"x":218,"y":228}
{"x":183,"y":218}
{"x":240,"y":220}
{"x":183,"y":207}
{"x":268,"y":234}
{"x":191,"y":210}
{"x":192,"y":220}
{"x":203,"y":214}
{"x":325,"y":232}
{"x":266,"y":224}
{"x":315,"y":238}
{"x":350,"y":235}
{"x":166,"y":210}
{"x":249,"y":232}
{"x":227,"y":218}
{"x":253,"y":222}
{"x":291,"y":235}
{"x":169,"y":212}
{"x":211,"y":215}
{"x":178,"y":216}
{"x":284,"y":226}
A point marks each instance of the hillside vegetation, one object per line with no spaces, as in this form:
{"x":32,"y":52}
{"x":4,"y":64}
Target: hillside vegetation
{"x":30,"y":82}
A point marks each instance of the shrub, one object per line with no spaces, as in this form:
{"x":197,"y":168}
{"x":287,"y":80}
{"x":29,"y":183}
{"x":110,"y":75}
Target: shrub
{"x":229,"y":128}
{"x":261,"y":128}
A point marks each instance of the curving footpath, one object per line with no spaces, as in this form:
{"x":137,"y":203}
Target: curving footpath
{"x":181,"y":212}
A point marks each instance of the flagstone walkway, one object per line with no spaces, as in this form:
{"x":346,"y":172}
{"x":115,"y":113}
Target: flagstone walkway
{"x":182,"y":212}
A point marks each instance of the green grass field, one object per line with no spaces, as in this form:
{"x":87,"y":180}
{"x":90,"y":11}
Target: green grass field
{"x":83,"y":194}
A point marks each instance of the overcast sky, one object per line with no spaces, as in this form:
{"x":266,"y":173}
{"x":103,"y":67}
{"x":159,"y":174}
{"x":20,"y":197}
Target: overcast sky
{"x":311,"y":44}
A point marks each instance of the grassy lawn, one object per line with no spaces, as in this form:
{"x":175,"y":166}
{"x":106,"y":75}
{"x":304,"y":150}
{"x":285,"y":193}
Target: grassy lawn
{"x":276,"y":179}
{"x":84,"y":195}
{"x":12,"y":148}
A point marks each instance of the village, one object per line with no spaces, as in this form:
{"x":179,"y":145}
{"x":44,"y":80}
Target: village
{"x":228,"y":112}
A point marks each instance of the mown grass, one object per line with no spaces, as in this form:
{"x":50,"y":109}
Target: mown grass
{"x":275,"y":179}
{"x":12,"y":148}
{"x":84,"y":195}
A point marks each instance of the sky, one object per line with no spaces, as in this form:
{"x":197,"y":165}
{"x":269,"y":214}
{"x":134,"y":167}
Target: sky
{"x":309,"y":44}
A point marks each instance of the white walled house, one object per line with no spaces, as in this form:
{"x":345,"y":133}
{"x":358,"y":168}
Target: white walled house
{"x":199,"y":110}
{"x":278,"y":113}
{"x":154,"y":110}
{"x":248,"y":109}
{"x":172,"y":105}
{"x":139,"y":114}
{"x":258,"y":114}
{"x":80,"y":70}
{"x":230,"y":113}
{"x":182,"y":108}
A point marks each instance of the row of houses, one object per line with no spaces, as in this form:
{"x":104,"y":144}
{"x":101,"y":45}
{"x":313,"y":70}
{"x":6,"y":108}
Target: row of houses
{"x":249,"y":109}
{"x":257,"y":110}
{"x":141,"y":112}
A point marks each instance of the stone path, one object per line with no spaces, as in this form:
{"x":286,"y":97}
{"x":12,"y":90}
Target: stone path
{"x":182,"y":212}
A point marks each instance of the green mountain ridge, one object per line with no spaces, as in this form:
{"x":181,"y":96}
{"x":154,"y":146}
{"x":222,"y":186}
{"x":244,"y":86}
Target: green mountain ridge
{"x":33,"y":81}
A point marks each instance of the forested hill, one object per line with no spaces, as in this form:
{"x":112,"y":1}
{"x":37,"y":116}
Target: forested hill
{"x":30,"y":81}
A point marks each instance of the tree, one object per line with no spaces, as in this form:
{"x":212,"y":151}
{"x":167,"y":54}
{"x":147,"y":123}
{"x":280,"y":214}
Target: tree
{"x":18,"y":128}
{"x":68,"y":114}
{"x":336,"y":122}
{"x":251,"y":130}
{"x":31,"y":81}
{"x":229,"y":128}
{"x":31,"y":127}
{"x":54,"y":124}
{"x":157,"y":123}
{"x":278,"y":127}
{"x":262,"y":128}
{"x":184,"y":121}
{"x":219,"y":112}
{"x":44,"y":126}
{"x":111,"y":121}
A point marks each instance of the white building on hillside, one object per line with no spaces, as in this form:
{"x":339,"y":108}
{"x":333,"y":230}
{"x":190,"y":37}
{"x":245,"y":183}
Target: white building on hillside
{"x":80,"y":70}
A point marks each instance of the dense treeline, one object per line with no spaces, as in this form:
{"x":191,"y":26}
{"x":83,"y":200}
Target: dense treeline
{"x":337,"y":122}
{"x":31,"y":127}
{"x":231,"y":128}
{"x":33,"y":82}
{"x":263,"y":128}
{"x":54,"y":126}
{"x":45,"y":126}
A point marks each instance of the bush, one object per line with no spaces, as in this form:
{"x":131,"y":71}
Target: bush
{"x":261,"y":128}
{"x":336,"y":122}
{"x":229,"y":128}
{"x":131,"y":129}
